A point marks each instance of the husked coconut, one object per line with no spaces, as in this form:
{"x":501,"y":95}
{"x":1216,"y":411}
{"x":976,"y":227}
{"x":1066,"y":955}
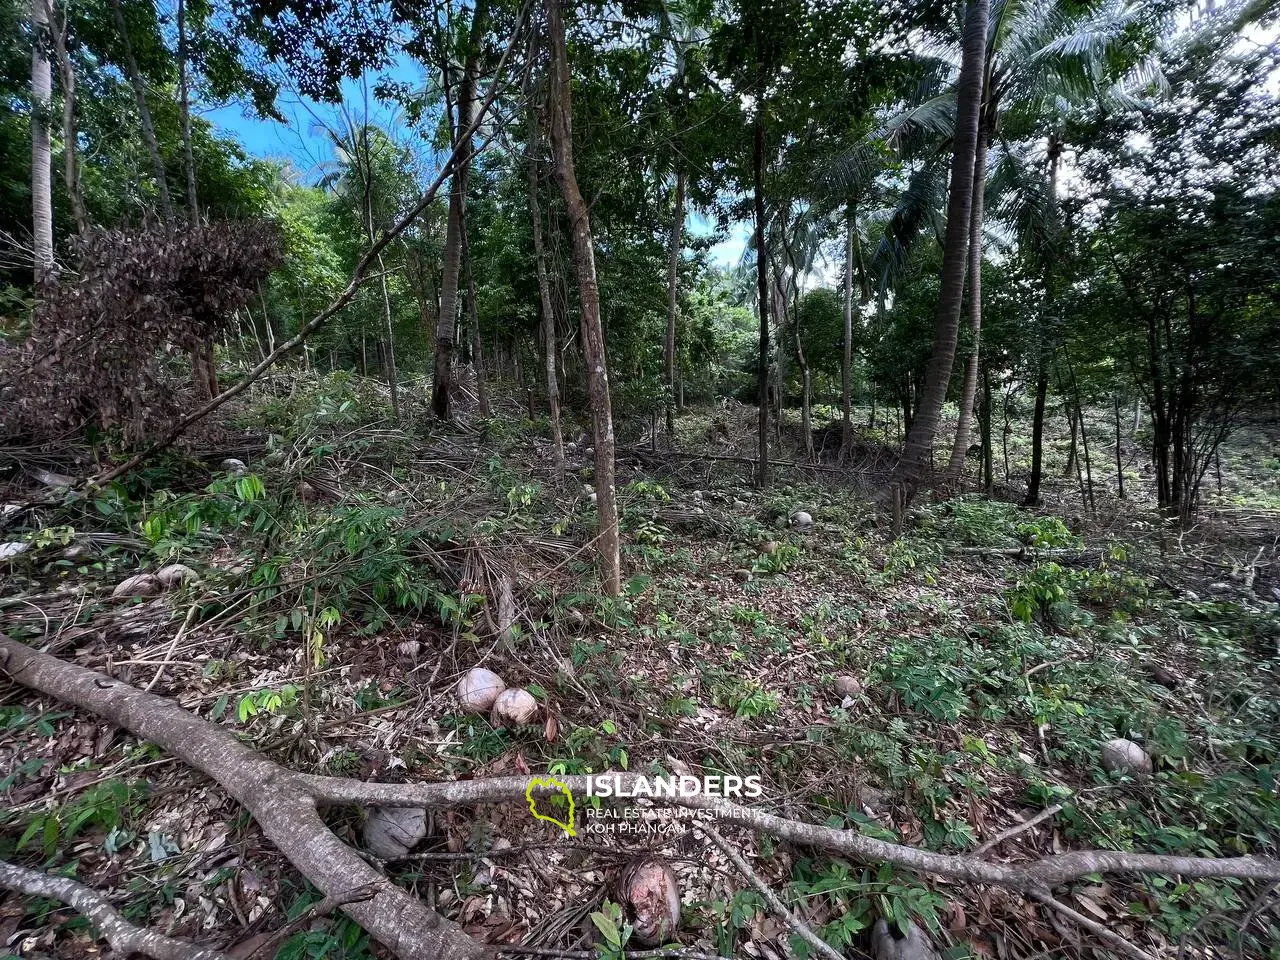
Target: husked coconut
{"x":887,"y":943}
{"x":513,"y":708}
{"x":391,"y":832}
{"x":1126,"y":757}
{"x":650,"y":896}
{"x":10,"y":550}
{"x":848,"y":686}
{"x":478,"y":689}
{"x":801,"y":519}
{"x":139,"y":585}
{"x":175,"y":575}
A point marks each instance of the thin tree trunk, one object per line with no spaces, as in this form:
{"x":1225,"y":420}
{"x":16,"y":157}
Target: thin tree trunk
{"x":70,"y":147}
{"x":446,"y":322}
{"x":589,"y":297}
{"x":477,"y":348}
{"x":846,"y":358}
{"x":41,"y":149}
{"x":389,"y":357}
{"x":1070,"y":469}
{"x":144,"y":113}
{"x":184,"y":112}
{"x":919,"y":447}
{"x":544,"y":292}
{"x":1037,"y":434}
{"x":762,"y":295}
{"x":1119,"y":460}
{"x":969,"y":392}
{"x":984,"y":422}
{"x":673,"y":304}
{"x":1054,"y":149}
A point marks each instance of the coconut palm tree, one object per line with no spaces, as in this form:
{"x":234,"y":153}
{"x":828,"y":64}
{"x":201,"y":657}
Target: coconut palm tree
{"x":1042,"y":59}
{"x":41,"y":153}
{"x":968,"y":98}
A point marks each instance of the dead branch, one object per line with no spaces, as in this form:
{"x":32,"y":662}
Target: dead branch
{"x":316,"y":910}
{"x":284,"y":803}
{"x":1093,"y":926}
{"x":276,"y":797}
{"x":124,"y":937}
{"x":1036,"y":875}
{"x":1013,"y":831}
{"x":798,"y":926}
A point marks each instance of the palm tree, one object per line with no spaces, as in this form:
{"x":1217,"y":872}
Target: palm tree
{"x":366,"y":162}
{"x":41,"y":153}
{"x":1042,"y":60}
{"x":683,"y":33}
{"x":968,"y":94}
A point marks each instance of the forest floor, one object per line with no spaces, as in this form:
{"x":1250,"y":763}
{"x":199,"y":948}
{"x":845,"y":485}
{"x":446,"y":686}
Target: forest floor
{"x":346,"y":582}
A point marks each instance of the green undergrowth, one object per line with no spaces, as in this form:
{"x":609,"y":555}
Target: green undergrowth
{"x":989,"y":682}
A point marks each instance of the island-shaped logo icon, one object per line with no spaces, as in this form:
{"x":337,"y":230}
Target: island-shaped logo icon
{"x":544,"y":783}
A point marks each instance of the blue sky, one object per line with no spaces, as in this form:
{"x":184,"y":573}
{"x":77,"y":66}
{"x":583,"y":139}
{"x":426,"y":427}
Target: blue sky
{"x":302,"y":142}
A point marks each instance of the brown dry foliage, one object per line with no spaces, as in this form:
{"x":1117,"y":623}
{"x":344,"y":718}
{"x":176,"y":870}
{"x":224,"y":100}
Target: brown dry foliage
{"x":93,"y":356}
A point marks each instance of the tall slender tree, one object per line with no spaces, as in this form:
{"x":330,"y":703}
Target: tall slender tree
{"x":139,"y":85}
{"x":447,"y":321}
{"x":41,"y":151}
{"x":544,"y":295}
{"x":184,"y":112}
{"x":924,"y":426}
{"x":561,"y":109}
{"x":70,"y":146}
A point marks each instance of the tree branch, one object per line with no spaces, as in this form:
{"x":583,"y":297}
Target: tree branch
{"x":284,"y":803}
{"x":798,"y":926}
{"x":124,"y":937}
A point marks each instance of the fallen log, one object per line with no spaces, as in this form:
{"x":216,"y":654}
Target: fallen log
{"x":277,"y":798}
{"x":124,"y":937}
{"x":285,"y":802}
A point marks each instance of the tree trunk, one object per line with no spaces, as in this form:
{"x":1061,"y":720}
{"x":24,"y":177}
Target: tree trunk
{"x":389,"y":358}
{"x":477,"y":347}
{"x":969,"y":392}
{"x":762,"y":295}
{"x":1054,"y":149}
{"x":589,"y":297}
{"x":984,"y":421}
{"x":846,"y":359}
{"x":446,"y":321}
{"x":144,"y":113}
{"x":544,"y":292}
{"x":1037,"y":435}
{"x":924,"y":428}
{"x":673,"y":304}
{"x":41,"y":150}
{"x":70,"y":152}
{"x":1119,"y":459}
{"x":184,"y":113}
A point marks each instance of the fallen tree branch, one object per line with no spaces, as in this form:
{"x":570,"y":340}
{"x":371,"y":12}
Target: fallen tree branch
{"x":277,"y":798}
{"x":284,"y":803}
{"x":1013,"y":831}
{"x":124,"y":937}
{"x":1093,"y":926}
{"x":798,"y":926}
{"x":1036,"y":875}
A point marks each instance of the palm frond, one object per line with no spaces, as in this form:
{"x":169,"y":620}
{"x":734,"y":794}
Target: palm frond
{"x":919,"y":211}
